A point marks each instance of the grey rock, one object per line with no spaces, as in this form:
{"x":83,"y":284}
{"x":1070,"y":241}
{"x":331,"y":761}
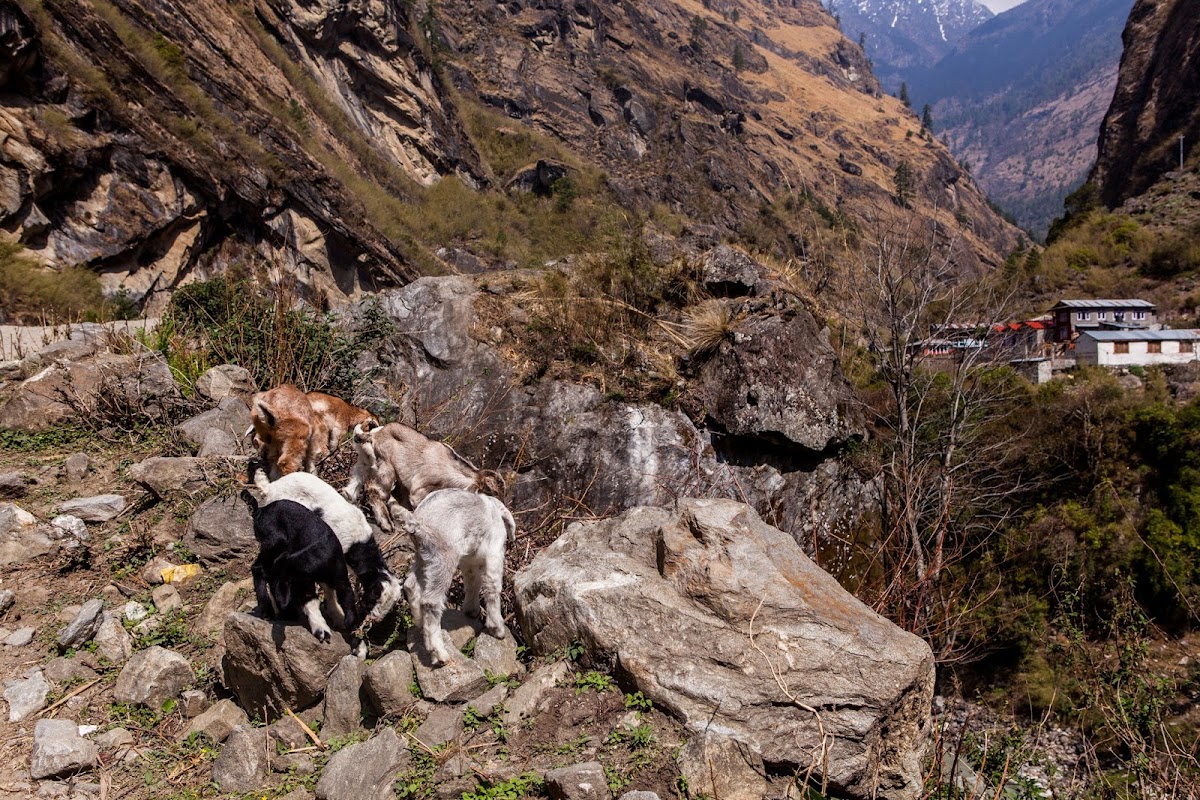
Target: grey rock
{"x":298,"y":794}
{"x":112,"y":739}
{"x":288,"y":732}
{"x":646,"y":588}
{"x":7,"y":600}
{"x":231,"y":417}
{"x":221,"y":531}
{"x":65,"y":349}
{"x":386,"y":682}
{"x":170,"y":476}
{"x":66,"y":670}
{"x":53,"y":790}
{"x":242,"y":764}
{"x":271,"y":666}
{"x":100,"y":508}
{"x":718,"y":766}
{"x":112,"y":640}
{"x":487,"y":702}
{"x":59,"y":750}
{"x":195,"y":703}
{"x":459,"y":628}
{"x":69,"y":526}
{"x":639,"y":796}
{"x":227,"y":598}
{"x":153,"y":676}
{"x":728,"y":272}
{"x":225,"y":380}
{"x":20,"y":637}
{"x":365,"y":771}
{"x":532,"y":696}
{"x":294,"y":763}
{"x":459,"y":680}
{"x":217,"y":722}
{"x":166,"y":598}
{"x":217,"y":443}
{"x":579,"y":782}
{"x":12,"y":484}
{"x":342,"y":713}
{"x":135,"y":611}
{"x":152,"y":572}
{"x":85,"y":789}
{"x":27,"y":696}
{"x":444,"y":724}
{"x":21,"y":538}
{"x":497,"y":657}
{"x":85,"y":625}
{"x":76,"y":466}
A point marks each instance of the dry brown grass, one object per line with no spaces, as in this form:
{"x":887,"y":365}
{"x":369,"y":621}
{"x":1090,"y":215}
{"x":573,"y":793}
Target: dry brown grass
{"x":708,"y":324}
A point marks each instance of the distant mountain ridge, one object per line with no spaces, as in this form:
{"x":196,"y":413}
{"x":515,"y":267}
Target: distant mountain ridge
{"x":1022,"y":96}
{"x":901,"y":35}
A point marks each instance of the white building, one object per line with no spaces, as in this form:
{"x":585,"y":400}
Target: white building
{"x":1136,"y":348}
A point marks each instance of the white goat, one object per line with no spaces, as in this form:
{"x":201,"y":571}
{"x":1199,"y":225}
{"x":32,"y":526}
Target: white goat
{"x":396,"y":459}
{"x":381,"y":588}
{"x":457,"y":529}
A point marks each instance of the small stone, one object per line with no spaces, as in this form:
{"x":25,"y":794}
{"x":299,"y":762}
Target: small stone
{"x":100,"y":508}
{"x":112,"y":640}
{"x":135,"y":611}
{"x":444,"y":724}
{"x":217,"y":722}
{"x":7,"y":600}
{"x":387,"y":683}
{"x":112,"y":596}
{"x":225,"y":380}
{"x":85,"y":789}
{"x":487,"y":702}
{"x":66,"y":670}
{"x":578,"y":782}
{"x":639,"y":796}
{"x":221,"y":530}
{"x":53,"y":790}
{"x":242,"y":764}
{"x":20,"y":637}
{"x":298,"y":794}
{"x":289,"y":732}
{"x":169,"y":476}
{"x":26,"y":697}
{"x":58,"y":749}
{"x":224,"y":601}
{"x":217,"y":442}
{"x":455,"y":682}
{"x":294,"y":763}
{"x":532,"y":695}
{"x":70,"y":526}
{"x":194,"y":702}
{"x":112,"y":739}
{"x":81,"y":629}
{"x":497,"y":657}
{"x":152,"y":677}
{"x":342,"y":713}
{"x":12,"y":484}
{"x":166,"y":599}
{"x":152,"y":572}
{"x":77,"y":466}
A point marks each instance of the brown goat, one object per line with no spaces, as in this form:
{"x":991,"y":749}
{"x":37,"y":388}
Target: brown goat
{"x":294,"y":431}
{"x":396,"y":462}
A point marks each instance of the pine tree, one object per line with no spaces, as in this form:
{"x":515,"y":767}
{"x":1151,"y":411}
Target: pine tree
{"x":927,"y":118}
{"x":904,"y":95}
{"x":904,"y":182}
{"x":739,"y":57}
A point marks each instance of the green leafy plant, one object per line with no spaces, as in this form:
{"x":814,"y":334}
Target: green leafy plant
{"x":525,"y":784}
{"x":593,"y":680}
{"x":638,"y":702}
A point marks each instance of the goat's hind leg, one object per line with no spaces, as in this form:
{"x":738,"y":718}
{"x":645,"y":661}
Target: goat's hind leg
{"x":472,"y":572}
{"x":493,"y":584}
{"x":433,"y":584}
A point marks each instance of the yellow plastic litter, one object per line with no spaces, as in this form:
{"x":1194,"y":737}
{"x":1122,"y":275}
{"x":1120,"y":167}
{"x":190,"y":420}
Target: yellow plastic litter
{"x":181,"y":573}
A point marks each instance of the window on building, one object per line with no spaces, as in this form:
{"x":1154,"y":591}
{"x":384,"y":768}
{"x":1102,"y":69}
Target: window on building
{"x":1185,"y":347}
{"x":1083,"y":315}
{"x":1101,"y":315}
{"x":1153,"y":347}
{"x":1120,"y":347}
{"x":1139,"y":315}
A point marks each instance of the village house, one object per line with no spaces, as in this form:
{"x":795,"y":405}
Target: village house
{"x":1136,"y":348}
{"x":1072,"y":317}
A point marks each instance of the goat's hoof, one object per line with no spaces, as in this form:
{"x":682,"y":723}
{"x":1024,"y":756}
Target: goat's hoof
{"x":496,"y":633}
{"x":323,"y":636}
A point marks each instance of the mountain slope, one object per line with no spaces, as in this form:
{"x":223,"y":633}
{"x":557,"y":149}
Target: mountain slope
{"x":902,"y":35}
{"x":361,"y":144}
{"x":1021,"y":99}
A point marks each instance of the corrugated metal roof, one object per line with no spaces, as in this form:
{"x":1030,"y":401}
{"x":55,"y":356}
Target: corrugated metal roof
{"x":1104,"y":304}
{"x":1142,"y":336}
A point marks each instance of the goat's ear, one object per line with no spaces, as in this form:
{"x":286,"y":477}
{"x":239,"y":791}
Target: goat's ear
{"x":268,"y":417}
{"x":370,"y":424}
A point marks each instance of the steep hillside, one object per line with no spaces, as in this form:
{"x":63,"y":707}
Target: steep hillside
{"x":1021,"y":99}
{"x":1155,"y":101}
{"x":360,"y":145}
{"x":903,"y":35}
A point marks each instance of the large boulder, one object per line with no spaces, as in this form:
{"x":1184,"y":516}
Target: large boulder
{"x":58,"y":749}
{"x":272,"y":667}
{"x":723,"y":621}
{"x":365,"y":771}
{"x":152,"y":677}
{"x":168,"y":476}
{"x":231,"y":416}
{"x":22,"y":539}
{"x":226,"y":380}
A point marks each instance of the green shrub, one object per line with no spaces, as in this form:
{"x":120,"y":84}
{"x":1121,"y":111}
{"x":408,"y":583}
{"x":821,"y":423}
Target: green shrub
{"x":31,"y":293}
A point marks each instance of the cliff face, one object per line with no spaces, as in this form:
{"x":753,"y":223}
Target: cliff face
{"x":157,"y":141}
{"x":1155,"y":100}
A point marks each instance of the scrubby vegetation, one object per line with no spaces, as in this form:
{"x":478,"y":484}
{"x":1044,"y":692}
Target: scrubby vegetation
{"x":31,"y":293}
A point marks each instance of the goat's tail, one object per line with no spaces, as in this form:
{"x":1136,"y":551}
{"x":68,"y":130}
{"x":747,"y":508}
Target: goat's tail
{"x":510,"y":524}
{"x":259,"y":476}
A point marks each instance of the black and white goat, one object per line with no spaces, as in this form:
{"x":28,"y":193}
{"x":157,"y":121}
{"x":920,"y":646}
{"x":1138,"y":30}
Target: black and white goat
{"x":380,"y":587}
{"x":297,"y":552}
{"x":457,"y":529}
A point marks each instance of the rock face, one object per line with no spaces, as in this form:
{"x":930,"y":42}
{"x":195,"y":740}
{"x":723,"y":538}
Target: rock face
{"x":672,"y":596}
{"x":220,"y":531}
{"x":272,"y":667}
{"x":1154,"y":102}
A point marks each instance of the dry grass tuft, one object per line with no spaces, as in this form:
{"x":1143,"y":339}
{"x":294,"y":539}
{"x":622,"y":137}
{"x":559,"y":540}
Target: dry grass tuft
{"x":707,"y":325}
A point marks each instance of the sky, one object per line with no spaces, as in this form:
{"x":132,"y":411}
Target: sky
{"x":1001,"y":5}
